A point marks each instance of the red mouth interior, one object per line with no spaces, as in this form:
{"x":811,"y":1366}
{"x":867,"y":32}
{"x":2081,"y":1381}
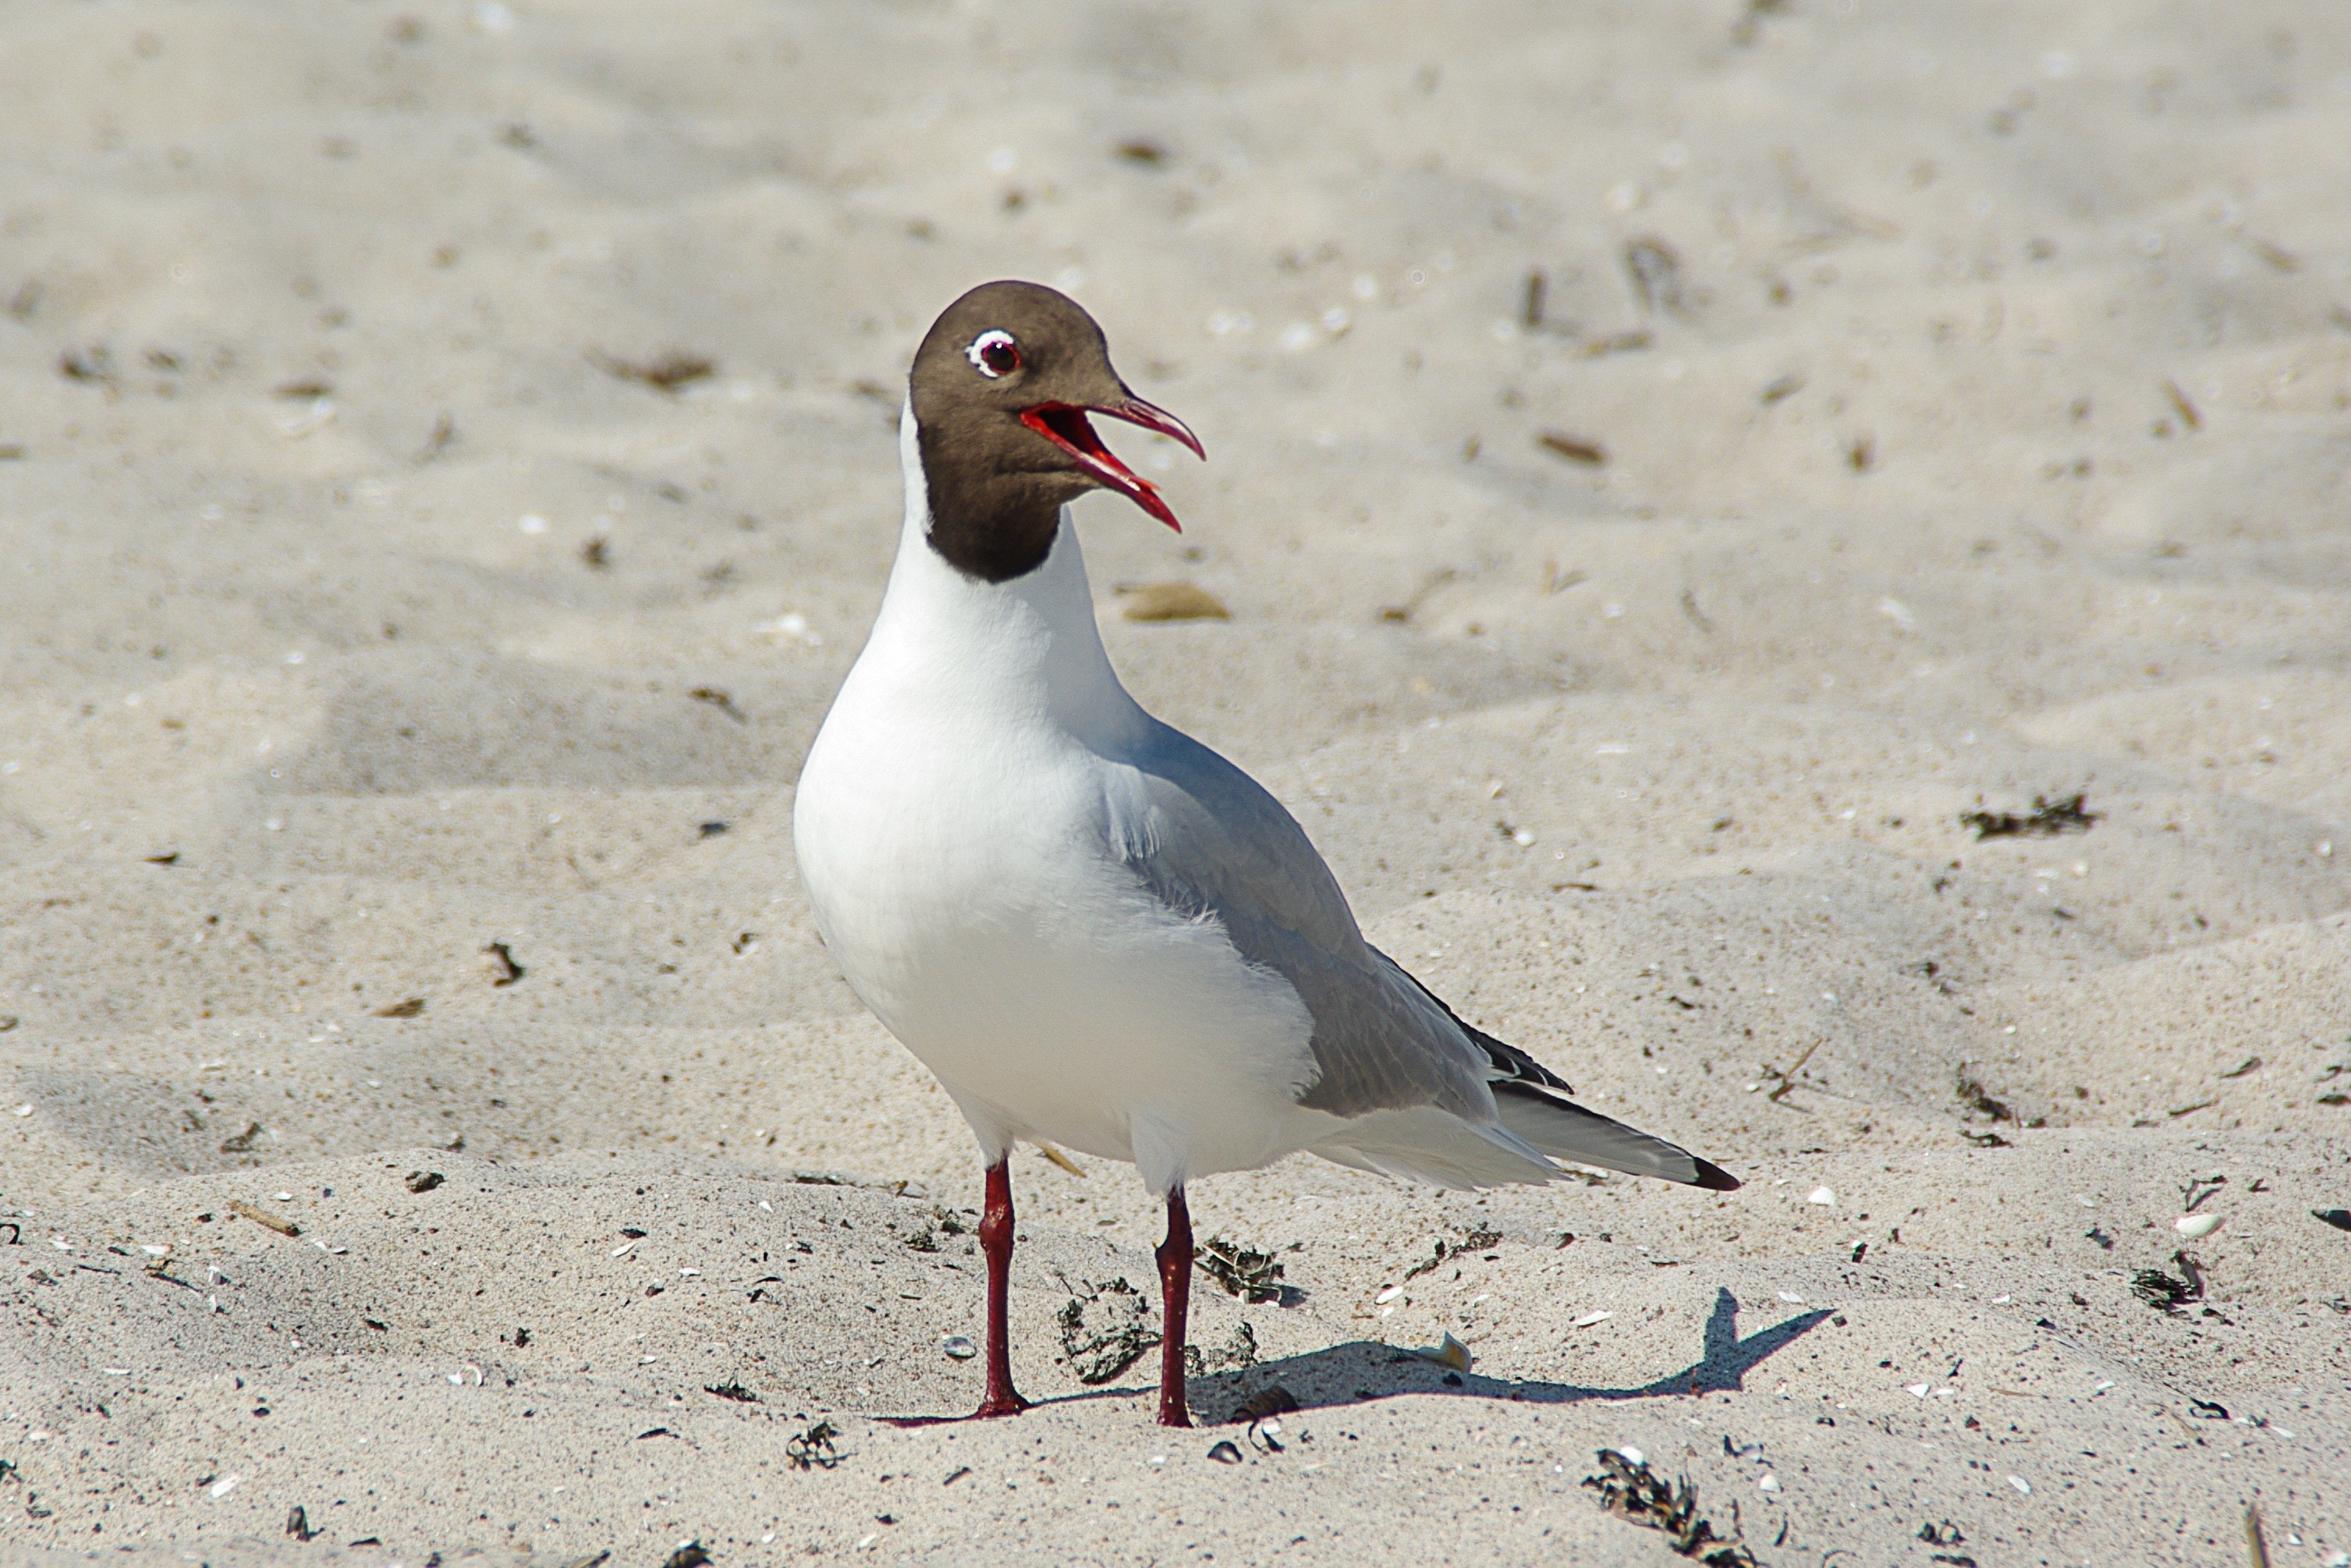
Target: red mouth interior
{"x":1066,"y":427}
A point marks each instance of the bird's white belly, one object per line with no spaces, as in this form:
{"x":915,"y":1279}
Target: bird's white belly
{"x":979,"y":911}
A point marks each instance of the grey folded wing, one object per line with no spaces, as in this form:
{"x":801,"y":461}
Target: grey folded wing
{"x":1207,"y":841}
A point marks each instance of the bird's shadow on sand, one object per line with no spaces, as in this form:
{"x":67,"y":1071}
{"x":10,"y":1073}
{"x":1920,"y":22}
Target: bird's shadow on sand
{"x":1361,"y":1371}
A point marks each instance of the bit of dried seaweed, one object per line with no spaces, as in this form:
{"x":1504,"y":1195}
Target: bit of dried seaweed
{"x":1615,"y":343}
{"x":425,"y":1181}
{"x":1105,"y":1330}
{"x":2186,"y":409}
{"x":1574,"y":448}
{"x":2047,"y":819}
{"x":813,"y":1450}
{"x":1267,"y":1402}
{"x":2164,"y":1292}
{"x":1631,"y":1491}
{"x":664,"y":372}
{"x":445,"y":431}
{"x":1141,"y":150}
{"x":1170,"y":601}
{"x":86,"y":365}
{"x":1250,"y":1275}
{"x":730,"y":1390}
{"x":407,"y":1008}
{"x":721,"y":699}
{"x":1239,"y":1350}
{"x":508,"y":971}
{"x":689,"y":1555}
{"x":263,"y":1217}
{"x":1696,"y":616}
{"x":935,"y":1222}
{"x":1971,"y":1094}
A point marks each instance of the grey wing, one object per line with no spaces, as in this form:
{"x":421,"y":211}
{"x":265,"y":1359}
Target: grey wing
{"x":1538,"y":1105}
{"x":1210,"y":842}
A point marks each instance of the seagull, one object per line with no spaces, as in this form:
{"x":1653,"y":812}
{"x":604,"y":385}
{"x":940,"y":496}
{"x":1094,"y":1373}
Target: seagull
{"x":1097,"y":934}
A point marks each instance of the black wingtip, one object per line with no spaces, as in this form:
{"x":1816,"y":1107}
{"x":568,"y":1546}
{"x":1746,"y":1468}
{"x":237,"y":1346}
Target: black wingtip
{"x":1713,"y":1177}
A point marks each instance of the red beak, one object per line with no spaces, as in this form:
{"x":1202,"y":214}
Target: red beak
{"x":1065,"y":425}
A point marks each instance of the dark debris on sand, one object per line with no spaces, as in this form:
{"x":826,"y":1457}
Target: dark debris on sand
{"x":2047,"y":819}
{"x":1631,"y":1491}
{"x":1253,"y":1276}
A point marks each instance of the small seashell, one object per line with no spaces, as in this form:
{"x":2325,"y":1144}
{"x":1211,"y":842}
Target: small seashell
{"x":2021,"y":1484}
{"x":1588,"y":1319}
{"x":1769,"y":1482}
{"x":1916,"y":1390}
{"x":1225,"y":1453}
{"x":1390,"y":1295}
{"x":1792,"y":1296}
{"x":225,"y":1486}
{"x":960,"y":1348}
{"x":1447,"y":1352}
{"x":1820,"y":1195}
{"x":2196,"y":1227}
{"x":1631,"y":1455}
{"x":791,"y":625}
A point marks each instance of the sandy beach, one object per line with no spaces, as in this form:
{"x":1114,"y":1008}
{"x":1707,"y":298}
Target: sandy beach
{"x":1795,"y":560}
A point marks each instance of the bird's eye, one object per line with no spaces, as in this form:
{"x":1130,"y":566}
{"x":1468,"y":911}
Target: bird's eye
{"x":993,"y":353}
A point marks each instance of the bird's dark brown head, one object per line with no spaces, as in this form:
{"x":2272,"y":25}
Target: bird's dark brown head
{"x":1001,"y":388}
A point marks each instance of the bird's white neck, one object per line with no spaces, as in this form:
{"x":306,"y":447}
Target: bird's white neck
{"x":1030,"y":643}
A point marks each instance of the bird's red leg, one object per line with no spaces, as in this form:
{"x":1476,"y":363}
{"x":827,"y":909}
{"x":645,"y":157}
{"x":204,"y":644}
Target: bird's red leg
{"x":995,"y":1241}
{"x":1176,"y":1301}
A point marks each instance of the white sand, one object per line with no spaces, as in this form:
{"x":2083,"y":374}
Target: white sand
{"x":1731,"y":688}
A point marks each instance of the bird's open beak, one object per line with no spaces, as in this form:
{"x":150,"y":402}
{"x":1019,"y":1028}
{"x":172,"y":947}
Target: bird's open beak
{"x":1065,"y":425}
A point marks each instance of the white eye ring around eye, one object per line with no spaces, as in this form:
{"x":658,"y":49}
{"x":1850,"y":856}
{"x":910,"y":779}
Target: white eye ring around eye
{"x":993,"y":353}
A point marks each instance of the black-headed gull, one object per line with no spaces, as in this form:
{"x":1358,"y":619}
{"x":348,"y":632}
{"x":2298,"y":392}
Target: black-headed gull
{"x":1094,"y":930}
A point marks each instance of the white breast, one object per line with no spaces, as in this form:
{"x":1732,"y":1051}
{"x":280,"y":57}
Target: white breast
{"x":953,"y":824}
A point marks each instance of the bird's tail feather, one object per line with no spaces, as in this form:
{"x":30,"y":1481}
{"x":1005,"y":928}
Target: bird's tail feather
{"x":1564,"y":1130}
